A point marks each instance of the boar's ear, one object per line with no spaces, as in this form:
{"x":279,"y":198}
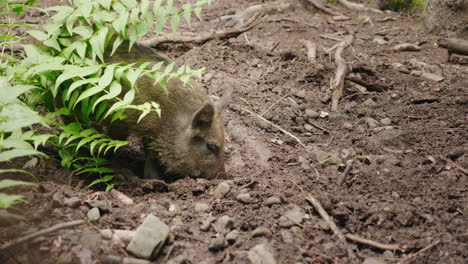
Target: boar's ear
{"x":204,"y":116}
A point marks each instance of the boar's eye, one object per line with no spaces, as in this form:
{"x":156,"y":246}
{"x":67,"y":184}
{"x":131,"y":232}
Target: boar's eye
{"x":212,"y":147}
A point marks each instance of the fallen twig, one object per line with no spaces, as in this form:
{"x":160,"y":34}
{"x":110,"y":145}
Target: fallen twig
{"x":319,"y":127}
{"x":349,"y":165}
{"x":419,"y":252}
{"x":203,"y":37}
{"x":277,"y":127}
{"x":264,"y":9}
{"x":41,"y":233}
{"x":341,"y":68}
{"x":361,"y":240}
{"x":359,"y":7}
{"x":330,"y":223}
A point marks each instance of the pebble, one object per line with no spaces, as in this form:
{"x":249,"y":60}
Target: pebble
{"x":93,"y":214}
{"x":224,"y":224}
{"x":379,"y":129}
{"x":261,"y":231}
{"x":149,"y":238}
{"x":323,"y":114}
{"x":388,"y":254}
{"x":221,"y":190}
{"x":371,"y":122}
{"x":309,"y":113}
{"x":300,"y":93}
{"x":386,"y":121}
{"x":261,"y":254}
{"x":232,"y":236}
{"x":245,"y":198}
{"x":202,"y":207}
{"x":206,"y":224}
{"x":379,"y":41}
{"x":98,"y":204}
{"x":294,"y":214}
{"x":395,"y":195}
{"x":308,"y":127}
{"x":373,"y":261}
{"x":272,"y":200}
{"x":56,"y":200}
{"x":369,"y":103}
{"x":217,"y":243}
{"x":72,"y":202}
{"x":287,"y":236}
{"x":347,"y":125}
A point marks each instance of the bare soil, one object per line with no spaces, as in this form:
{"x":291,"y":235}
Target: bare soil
{"x":407,"y":185}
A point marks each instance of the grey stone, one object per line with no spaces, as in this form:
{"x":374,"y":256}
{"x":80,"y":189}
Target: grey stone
{"x":433,"y":77}
{"x":309,"y":113}
{"x":57,"y":199}
{"x":149,"y":238}
{"x":371,"y":122}
{"x":72,"y":202}
{"x":224,"y":224}
{"x":293,"y":215}
{"x":245,"y":198}
{"x":102,"y":205}
{"x":347,"y":153}
{"x":309,"y":127}
{"x":379,"y":129}
{"x":91,"y":240}
{"x":261,"y":254}
{"x":386,"y":121}
{"x":261,"y":231}
{"x":379,"y":41}
{"x":395,"y":195}
{"x":217,"y":243}
{"x":232,"y":236}
{"x":369,"y":103}
{"x":221,"y":190}
{"x":272,"y":200}
{"x":388,"y":254}
{"x":347,"y":125}
{"x":202,"y":207}
{"x":287,"y":236}
{"x":373,"y":261}
{"x":93,"y":214}
{"x":206,"y":224}
{"x":300,"y":93}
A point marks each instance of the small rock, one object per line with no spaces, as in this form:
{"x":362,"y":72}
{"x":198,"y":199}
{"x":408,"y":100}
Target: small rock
{"x":57,"y":199}
{"x":323,"y":225}
{"x":245,"y":198}
{"x":379,"y":129}
{"x":386,"y":121}
{"x":395,"y":195}
{"x":373,"y":261}
{"x":379,"y":41}
{"x":405,"y":219}
{"x":261,"y":254}
{"x":206,"y":224}
{"x":328,"y":246}
{"x":369,"y":103}
{"x":224,"y":224}
{"x":221,"y":190}
{"x":323,"y":114}
{"x":287,"y":236}
{"x":300,"y":93}
{"x":388,"y":254}
{"x":201,"y":207}
{"x":99,"y":204}
{"x":72,"y":202}
{"x":217,"y":243}
{"x":261,"y":231}
{"x":308,"y":127}
{"x":149,"y":238}
{"x":271,"y":201}
{"x":371,"y":122}
{"x":293,"y":215}
{"x":431,"y":76}
{"x":121,"y":197}
{"x":347,"y":125}
{"x":232,"y":236}
{"x":93,"y":214}
{"x":309,"y":113}
{"x":347,"y":153}
{"x":327,"y":159}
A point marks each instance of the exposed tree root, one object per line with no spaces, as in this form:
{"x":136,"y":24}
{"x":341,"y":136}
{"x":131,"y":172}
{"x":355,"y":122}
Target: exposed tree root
{"x":359,"y":7}
{"x":323,"y":8}
{"x":204,"y":37}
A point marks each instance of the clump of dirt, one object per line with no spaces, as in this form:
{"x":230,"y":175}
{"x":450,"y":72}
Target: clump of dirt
{"x":407,"y":137}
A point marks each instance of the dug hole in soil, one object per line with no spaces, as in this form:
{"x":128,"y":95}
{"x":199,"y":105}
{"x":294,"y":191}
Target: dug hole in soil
{"x":406,"y":136}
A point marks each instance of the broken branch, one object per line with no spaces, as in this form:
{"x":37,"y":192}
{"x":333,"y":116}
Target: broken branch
{"x":341,"y":68}
{"x":392,"y":247}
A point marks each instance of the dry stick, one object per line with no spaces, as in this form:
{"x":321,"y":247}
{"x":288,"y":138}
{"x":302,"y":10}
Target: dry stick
{"x":276,"y":126}
{"x":460,"y":168}
{"x":349,"y":165}
{"x":341,"y":68}
{"x":319,"y":127}
{"x":361,"y":240}
{"x":271,"y":106}
{"x":311,"y":50}
{"x":324,"y":9}
{"x":202,"y":38}
{"x":330,"y":223}
{"x":359,"y":7}
{"x":41,"y":233}
{"x":419,"y":252}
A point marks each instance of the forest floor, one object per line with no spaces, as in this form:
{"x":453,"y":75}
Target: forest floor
{"x":406,"y":135}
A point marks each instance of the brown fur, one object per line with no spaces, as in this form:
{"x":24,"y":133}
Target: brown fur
{"x":188,"y":139}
